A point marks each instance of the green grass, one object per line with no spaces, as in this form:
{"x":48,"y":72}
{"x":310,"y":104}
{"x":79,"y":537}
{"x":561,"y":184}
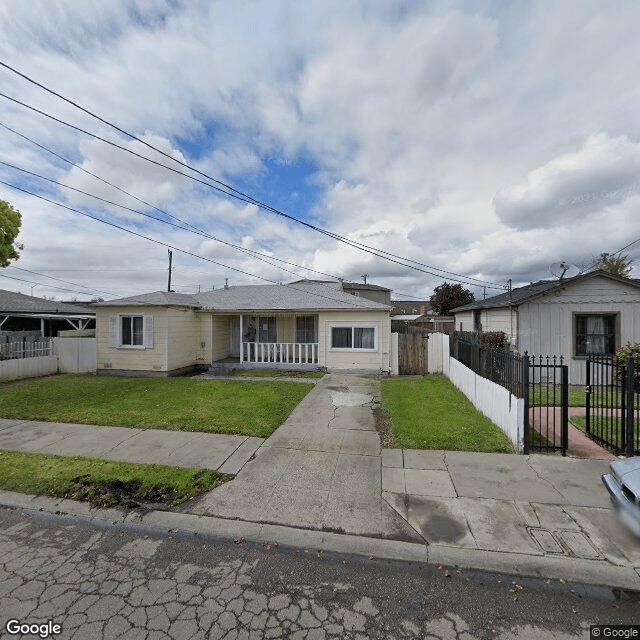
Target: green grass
{"x":213,"y":406}
{"x":430,"y":413}
{"x":543,"y":395}
{"x":275,"y":373}
{"x":102,"y":482}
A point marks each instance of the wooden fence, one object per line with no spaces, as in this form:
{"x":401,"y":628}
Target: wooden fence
{"x":412,"y":351}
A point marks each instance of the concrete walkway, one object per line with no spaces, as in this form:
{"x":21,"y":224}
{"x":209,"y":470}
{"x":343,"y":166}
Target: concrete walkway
{"x":321,"y":481}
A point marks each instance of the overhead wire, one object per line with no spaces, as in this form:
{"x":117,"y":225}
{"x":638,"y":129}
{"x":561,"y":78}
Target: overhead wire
{"x":175,"y":248}
{"x":231,"y":191}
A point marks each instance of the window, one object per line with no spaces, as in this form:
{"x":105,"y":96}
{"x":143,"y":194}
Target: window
{"x":595,"y":335}
{"x":353,"y":338}
{"x":131,"y":331}
{"x":267,"y":329}
{"x":306,"y":329}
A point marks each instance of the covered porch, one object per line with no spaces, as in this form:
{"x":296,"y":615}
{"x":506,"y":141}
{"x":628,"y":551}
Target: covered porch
{"x":274,"y":340}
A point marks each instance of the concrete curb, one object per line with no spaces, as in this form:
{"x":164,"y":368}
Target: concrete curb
{"x":574,"y":570}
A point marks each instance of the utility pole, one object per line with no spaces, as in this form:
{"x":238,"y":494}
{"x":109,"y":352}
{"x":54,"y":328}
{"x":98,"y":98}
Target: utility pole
{"x":170,"y":260}
{"x":364,"y":277}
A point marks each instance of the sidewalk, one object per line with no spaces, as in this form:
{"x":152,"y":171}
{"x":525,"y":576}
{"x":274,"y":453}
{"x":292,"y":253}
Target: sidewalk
{"x":321,"y":482}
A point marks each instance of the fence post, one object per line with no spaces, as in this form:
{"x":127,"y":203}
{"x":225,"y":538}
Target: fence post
{"x":525,"y":385}
{"x":630,"y":380}
{"x":564,"y":399}
{"x":588,"y":398}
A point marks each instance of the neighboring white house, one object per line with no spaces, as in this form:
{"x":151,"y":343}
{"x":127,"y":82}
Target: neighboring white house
{"x":306,"y":324}
{"x":590,"y":314}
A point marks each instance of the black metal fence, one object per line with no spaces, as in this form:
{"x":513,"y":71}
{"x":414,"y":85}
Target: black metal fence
{"x":543,"y":382}
{"x":613,"y":403}
{"x":498,"y":365}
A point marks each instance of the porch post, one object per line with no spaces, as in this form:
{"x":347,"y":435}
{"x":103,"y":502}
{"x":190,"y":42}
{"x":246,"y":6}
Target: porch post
{"x":42,"y":327}
{"x":241,"y":345}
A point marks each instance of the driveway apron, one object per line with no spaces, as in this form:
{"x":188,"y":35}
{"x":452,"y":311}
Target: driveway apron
{"x":321,"y":469}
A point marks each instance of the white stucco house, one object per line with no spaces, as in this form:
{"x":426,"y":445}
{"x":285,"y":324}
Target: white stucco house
{"x":590,"y":314}
{"x":305,"y":324}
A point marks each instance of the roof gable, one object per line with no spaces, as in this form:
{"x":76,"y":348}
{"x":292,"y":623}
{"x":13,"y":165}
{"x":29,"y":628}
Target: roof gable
{"x":541,"y":288}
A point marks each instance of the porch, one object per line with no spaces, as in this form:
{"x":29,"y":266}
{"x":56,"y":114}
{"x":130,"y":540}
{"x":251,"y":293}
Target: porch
{"x":278,"y":341}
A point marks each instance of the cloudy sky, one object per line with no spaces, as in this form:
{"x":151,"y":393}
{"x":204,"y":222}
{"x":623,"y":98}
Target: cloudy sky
{"x":478,"y":141}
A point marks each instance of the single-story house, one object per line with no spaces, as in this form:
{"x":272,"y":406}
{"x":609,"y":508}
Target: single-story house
{"x":590,"y":314}
{"x":305,"y":324}
{"x":19,"y":312}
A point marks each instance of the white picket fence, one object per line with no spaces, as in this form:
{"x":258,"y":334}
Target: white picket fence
{"x":11,"y":349}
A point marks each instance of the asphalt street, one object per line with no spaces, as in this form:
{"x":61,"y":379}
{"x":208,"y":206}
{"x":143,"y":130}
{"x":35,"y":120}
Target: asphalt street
{"x":115,"y":582}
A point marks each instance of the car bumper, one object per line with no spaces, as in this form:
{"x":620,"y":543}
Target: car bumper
{"x":628,"y":511}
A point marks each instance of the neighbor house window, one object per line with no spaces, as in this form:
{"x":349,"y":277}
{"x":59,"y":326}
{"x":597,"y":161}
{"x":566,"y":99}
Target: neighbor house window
{"x":306,"y":329}
{"x":595,"y":334}
{"x":131,"y":331}
{"x":353,"y":338}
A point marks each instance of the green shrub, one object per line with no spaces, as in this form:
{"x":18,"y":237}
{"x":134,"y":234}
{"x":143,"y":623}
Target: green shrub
{"x":622,"y":354}
{"x":494,"y":340}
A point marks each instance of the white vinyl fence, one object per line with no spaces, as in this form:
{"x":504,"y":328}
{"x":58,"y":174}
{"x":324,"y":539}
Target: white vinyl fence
{"x":64,"y":355}
{"x":495,"y":402}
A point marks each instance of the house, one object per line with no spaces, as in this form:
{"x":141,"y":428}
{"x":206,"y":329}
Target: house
{"x":590,"y":314}
{"x":304,"y":324}
{"x":19,"y":312}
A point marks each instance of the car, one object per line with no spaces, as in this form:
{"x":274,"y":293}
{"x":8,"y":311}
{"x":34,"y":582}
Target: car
{"x":623,"y":485}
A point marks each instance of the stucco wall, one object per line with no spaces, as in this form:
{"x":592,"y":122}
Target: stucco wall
{"x":355,"y":359}
{"x":185,"y":337}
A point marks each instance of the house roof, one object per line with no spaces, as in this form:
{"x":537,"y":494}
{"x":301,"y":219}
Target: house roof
{"x":154,"y":299}
{"x":303,"y":295}
{"x":536,"y":289}
{"x":12,"y":303}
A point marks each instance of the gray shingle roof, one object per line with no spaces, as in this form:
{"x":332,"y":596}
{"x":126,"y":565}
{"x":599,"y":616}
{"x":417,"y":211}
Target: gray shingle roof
{"x":298,"y":296}
{"x":535,"y":289}
{"x":12,"y":302}
{"x":154,"y":299}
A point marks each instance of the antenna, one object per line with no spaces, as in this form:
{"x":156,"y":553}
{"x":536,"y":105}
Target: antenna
{"x":564,"y":268}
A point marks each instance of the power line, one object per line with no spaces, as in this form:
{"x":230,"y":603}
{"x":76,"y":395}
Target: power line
{"x":170,"y":246}
{"x":51,"y":286}
{"x":232,"y":191}
{"x":75,"y":284}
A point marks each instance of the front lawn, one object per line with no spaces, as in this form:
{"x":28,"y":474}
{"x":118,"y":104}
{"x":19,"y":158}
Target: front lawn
{"x":213,"y":406}
{"x":104,"y":483}
{"x":430,"y":413}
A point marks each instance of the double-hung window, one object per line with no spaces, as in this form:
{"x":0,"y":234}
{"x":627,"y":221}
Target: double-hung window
{"x":131,"y":330}
{"x":595,"y":334}
{"x":353,"y":338}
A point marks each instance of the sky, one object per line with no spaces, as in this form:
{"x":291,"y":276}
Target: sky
{"x":473,"y":141}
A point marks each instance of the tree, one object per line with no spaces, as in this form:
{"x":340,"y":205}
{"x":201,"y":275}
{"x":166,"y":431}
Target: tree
{"x":10,"y":221}
{"x":619,"y":265}
{"x":449,"y":296}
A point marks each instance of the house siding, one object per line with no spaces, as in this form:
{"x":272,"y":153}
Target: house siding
{"x":112,"y":359}
{"x":547,"y":324}
{"x":220,"y":336}
{"x":185,"y":335}
{"x":374,"y":361}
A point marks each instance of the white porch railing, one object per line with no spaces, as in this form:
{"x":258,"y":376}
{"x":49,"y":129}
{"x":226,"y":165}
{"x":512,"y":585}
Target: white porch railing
{"x":280,"y":352}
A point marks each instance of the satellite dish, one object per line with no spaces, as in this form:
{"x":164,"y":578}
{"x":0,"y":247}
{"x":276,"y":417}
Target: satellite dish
{"x":564,"y":270}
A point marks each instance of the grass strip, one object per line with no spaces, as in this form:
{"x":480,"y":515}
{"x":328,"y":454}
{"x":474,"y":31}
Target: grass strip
{"x":212,"y":406}
{"x":430,"y":413}
{"x":103,"y":483}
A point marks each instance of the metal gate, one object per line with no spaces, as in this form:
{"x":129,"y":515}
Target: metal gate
{"x":613,"y":403}
{"x":546,"y":404}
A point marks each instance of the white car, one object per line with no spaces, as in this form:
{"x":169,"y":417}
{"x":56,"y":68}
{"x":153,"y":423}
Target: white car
{"x":623,"y":485}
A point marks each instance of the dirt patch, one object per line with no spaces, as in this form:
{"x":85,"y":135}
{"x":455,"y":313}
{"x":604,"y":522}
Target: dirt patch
{"x":382,"y":422}
{"x":129,"y":494}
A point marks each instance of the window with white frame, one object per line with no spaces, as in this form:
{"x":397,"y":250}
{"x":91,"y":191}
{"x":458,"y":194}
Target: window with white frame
{"x":595,"y":334}
{"x":353,"y":338}
{"x":131,"y":331}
